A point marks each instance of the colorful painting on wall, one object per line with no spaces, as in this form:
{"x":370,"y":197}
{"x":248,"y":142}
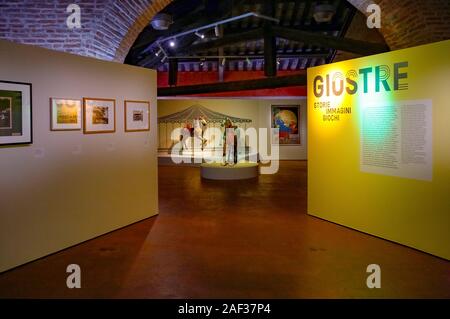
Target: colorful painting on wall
{"x":286,"y":118}
{"x":15,"y":113}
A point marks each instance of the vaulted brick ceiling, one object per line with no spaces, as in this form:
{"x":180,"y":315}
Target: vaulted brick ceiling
{"x":407,"y":23}
{"x":110,"y":27}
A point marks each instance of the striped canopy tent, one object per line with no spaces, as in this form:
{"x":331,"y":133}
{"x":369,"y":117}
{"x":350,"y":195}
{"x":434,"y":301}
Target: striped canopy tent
{"x":169,"y":123}
{"x":197,"y":110}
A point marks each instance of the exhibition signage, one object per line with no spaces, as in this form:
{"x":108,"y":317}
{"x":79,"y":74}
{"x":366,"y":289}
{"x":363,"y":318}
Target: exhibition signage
{"x":378,"y":145}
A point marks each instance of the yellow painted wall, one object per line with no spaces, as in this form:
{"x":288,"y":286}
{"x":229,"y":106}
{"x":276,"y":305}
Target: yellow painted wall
{"x":413,"y":212}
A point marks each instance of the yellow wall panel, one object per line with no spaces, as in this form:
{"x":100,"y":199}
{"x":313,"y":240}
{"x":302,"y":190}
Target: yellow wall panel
{"x":413,"y":208}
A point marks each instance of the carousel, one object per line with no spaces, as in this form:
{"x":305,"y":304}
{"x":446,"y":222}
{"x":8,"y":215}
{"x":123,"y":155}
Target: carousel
{"x":212,"y":140}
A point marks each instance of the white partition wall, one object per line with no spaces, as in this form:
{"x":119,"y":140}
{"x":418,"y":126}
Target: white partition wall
{"x":68,"y":187}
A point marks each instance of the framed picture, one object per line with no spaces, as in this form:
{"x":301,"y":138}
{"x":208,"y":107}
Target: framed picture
{"x":137,"y":116}
{"x":65,"y":114}
{"x":99,"y":115}
{"x":286,"y":118}
{"x":15,"y":113}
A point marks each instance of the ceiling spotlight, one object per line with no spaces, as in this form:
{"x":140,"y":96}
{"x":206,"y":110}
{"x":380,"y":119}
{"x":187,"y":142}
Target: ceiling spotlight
{"x":202,"y":62}
{"x":223,"y":61}
{"x":278,"y":62}
{"x":172,"y":43}
{"x":323,"y":12}
{"x":161,"y":21}
{"x":217,"y":31}
{"x":248,"y":60}
{"x":164,"y":59}
{"x":200,"y":35}
{"x":158,"y":52}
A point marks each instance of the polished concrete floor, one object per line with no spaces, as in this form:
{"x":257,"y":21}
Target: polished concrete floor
{"x":244,"y":239}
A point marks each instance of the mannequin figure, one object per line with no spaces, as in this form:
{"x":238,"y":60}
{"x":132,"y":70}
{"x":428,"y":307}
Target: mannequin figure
{"x":187,"y":131}
{"x":199,"y":123}
{"x":228,"y":146}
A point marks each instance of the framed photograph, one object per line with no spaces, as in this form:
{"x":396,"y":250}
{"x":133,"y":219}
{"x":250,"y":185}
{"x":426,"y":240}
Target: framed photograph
{"x":99,"y":115}
{"x":286,"y":118}
{"x":137,"y":116}
{"x":15,"y":113}
{"x":65,"y":114}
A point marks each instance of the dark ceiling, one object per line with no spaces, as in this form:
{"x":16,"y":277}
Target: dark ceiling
{"x":244,"y":55}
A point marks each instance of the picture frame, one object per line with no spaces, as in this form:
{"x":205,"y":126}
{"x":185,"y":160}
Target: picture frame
{"x":137,"y":116}
{"x":99,"y":115}
{"x":65,"y":114}
{"x":287,"y":119}
{"x":16,"y":125}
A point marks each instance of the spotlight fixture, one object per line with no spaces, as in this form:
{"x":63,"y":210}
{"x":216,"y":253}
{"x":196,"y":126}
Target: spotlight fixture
{"x":161,"y":21}
{"x":324,"y":12}
{"x":223,"y":61}
{"x":248,"y":61}
{"x":217,"y":31}
{"x":200,"y":35}
{"x":202,"y":62}
{"x":278,"y":62}
{"x":158,"y":52}
{"x":164,"y":59}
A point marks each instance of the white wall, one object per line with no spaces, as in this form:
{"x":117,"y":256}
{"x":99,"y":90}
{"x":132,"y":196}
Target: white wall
{"x":68,"y":187}
{"x":287,"y":152}
{"x":258,"y":110}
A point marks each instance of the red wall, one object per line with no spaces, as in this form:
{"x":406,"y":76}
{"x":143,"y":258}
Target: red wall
{"x":193,"y":78}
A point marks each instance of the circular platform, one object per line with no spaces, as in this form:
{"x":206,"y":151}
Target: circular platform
{"x":217,"y":171}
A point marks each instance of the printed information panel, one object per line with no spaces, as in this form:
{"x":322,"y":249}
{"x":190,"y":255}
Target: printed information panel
{"x":396,"y":140}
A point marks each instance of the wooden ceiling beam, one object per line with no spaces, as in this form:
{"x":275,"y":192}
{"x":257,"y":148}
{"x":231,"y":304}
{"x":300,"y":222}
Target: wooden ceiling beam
{"x":339,"y":11}
{"x":270,"y":53}
{"x":276,"y":1}
{"x":329,"y":27}
{"x":294,"y":13}
{"x":270,"y":42}
{"x":265,"y":83}
{"x":306,"y":10}
{"x":326,"y":41}
{"x":318,"y":54}
{"x":251,"y":35}
{"x":173,"y":72}
{"x":348,"y":20}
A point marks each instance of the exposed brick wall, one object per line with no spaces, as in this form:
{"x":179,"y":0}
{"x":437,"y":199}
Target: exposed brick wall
{"x":141,"y":21}
{"x":407,"y":23}
{"x":108,"y":27}
{"x":358,"y":30}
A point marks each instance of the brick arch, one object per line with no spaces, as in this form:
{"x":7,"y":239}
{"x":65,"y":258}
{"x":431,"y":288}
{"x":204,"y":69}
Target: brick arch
{"x":138,"y":16}
{"x":407,"y":23}
{"x":108,"y":27}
